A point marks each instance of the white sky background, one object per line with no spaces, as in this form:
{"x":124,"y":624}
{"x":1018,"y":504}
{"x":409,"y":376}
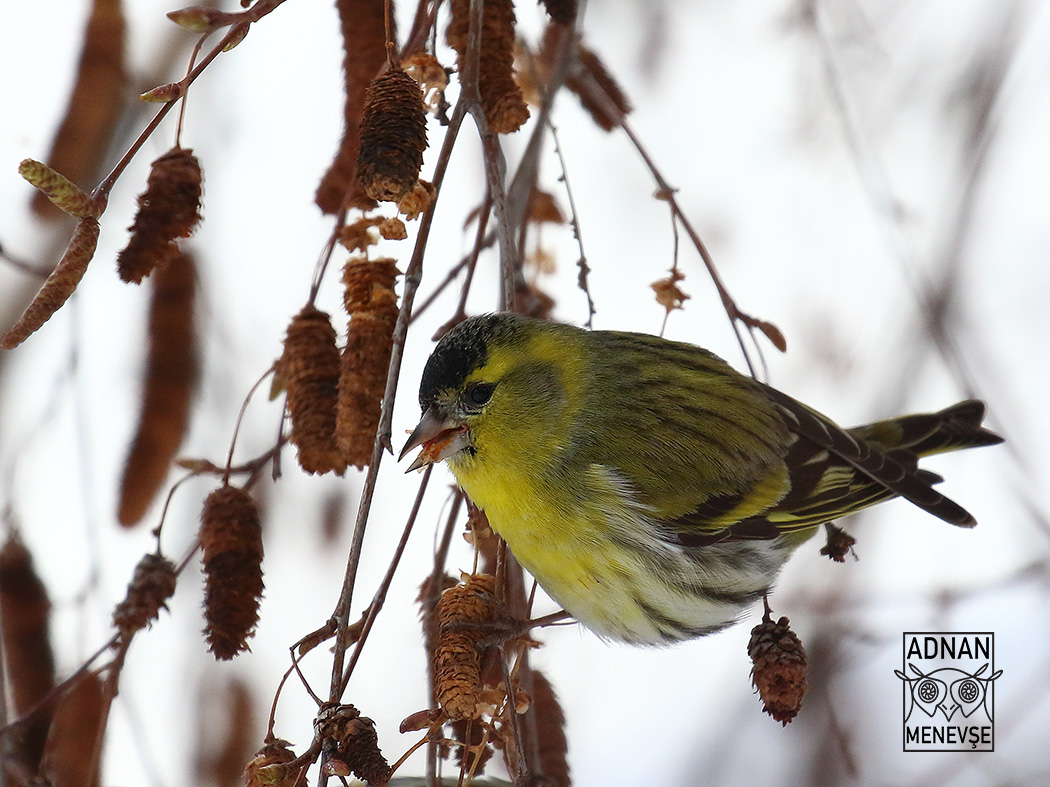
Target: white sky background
{"x":825,"y":178}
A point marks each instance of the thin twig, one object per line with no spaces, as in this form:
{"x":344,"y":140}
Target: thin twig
{"x":584,"y":269}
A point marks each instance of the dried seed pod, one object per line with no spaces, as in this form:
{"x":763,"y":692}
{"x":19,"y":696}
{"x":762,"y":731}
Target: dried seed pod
{"x":269,"y":766}
{"x":779,"y":671}
{"x":412,"y":205}
{"x":668,"y":293}
{"x":63,"y":193}
{"x":152,"y":584}
{"x":392,"y":228}
{"x":551,"y":741}
{"x":456,"y":661}
{"x":168,"y":209}
{"x":839,"y":543}
{"x":431,"y":76}
{"x":364,"y":53}
{"x":543,"y":208}
{"x":309,"y":370}
{"x":372,"y":305}
{"x":59,"y":285}
{"x":30,"y":664}
{"x":358,"y":235}
{"x":393,"y":136}
{"x":70,"y":754}
{"x":505,"y":108}
{"x":231,"y":539}
{"x":351,"y":742}
{"x":172,"y":370}
{"x":84,"y":135}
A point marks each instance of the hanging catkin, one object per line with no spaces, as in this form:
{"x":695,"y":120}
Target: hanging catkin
{"x":393,"y":136}
{"x":364,"y":52}
{"x":501,"y":98}
{"x":231,"y":539}
{"x":372,"y":305}
{"x":168,"y":209}
{"x":172,"y":368}
{"x":309,"y":371}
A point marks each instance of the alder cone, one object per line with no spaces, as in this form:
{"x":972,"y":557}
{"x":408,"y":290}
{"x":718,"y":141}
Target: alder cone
{"x":231,"y":539}
{"x":393,"y":136}
{"x":780,"y":668}
{"x":309,"y":369}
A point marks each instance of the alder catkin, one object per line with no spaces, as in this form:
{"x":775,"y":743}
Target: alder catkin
{"x":152,"y":584}
{"x":372,"y":305}
{"x":393,"y":136}
{"x":364,"y":53}
{"x":501,"y":98}
{"x":780,"y":668}
{"x":59,"y":285}
{"x":309,"y":371}
{"x":172,"y":369}
{"x":168,"y":209}
{"x":456,"y":660}
{"x":352,"y":743}
{"x":29,"y":660}
{"x":60,"y":191}
{"x":231,"y":540}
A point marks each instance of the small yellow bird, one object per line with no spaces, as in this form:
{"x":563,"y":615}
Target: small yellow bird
{"x":652,"y":490}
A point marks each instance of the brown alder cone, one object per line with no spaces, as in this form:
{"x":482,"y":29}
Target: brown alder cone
{"x":74,"y":734}
{"x":168,"y":209}
{"x":372,"y":305}
{"x":59,"y":285}
{"x":309,"y":370}
{"x":152,"y":584}
{"x":172,"y":369}
{"x":393,"y":136}
{"x":84,"y":135}
{"x":351,"y":741}
{"x":24,"y":612}
{"x":501,"y":98}
{"x":456,"y":660}
{"x":231,"y":539}
{"x":780,"y":667}
{"x":364,"y":53}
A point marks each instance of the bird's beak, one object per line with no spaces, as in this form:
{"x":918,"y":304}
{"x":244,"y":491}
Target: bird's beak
{"x":440,"y":437}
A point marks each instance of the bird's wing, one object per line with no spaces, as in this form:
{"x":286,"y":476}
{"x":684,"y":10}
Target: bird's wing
{"x":894,"y":471}
{"x":831,"y":472}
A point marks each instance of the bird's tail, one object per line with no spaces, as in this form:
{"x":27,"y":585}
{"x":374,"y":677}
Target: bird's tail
{"x":950,"y":429}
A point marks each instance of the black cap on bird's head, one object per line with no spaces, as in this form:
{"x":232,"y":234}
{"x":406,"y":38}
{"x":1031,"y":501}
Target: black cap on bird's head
{"x":443,"y":430}
{"x":462,"y":350}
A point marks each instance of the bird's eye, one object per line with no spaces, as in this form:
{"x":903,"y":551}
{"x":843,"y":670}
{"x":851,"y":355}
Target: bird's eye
{"x":479,"y":393}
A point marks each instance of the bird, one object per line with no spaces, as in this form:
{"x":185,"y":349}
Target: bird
{"x":652,"y":490}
